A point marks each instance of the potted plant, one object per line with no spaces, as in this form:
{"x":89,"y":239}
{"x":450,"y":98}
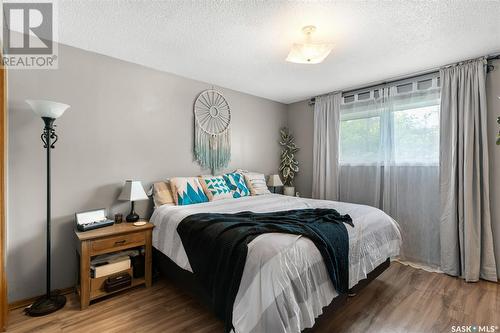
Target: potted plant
{"x":498,"y":135}
{"x":289,"y":166}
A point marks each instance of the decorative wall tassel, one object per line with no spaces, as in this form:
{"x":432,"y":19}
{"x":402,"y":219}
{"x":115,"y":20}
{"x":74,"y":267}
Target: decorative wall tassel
{"x":212,"y":143}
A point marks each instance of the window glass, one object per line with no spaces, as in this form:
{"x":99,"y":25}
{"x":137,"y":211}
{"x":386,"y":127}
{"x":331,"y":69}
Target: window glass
{"x":360,"y":140}
{"x":416,"y":135}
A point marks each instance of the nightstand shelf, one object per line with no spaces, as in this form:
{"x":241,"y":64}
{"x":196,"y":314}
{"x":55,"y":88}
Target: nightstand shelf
{"x":115,"y":238}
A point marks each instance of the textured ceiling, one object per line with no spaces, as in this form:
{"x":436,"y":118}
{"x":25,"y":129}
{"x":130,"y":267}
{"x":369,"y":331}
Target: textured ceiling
{"x":242,"y":44}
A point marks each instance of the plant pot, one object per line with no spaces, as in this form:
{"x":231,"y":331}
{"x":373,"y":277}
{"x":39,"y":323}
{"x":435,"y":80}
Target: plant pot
{"x":289,"y":190}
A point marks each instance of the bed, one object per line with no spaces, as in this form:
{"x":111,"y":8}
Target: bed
{"x":285,"y":285}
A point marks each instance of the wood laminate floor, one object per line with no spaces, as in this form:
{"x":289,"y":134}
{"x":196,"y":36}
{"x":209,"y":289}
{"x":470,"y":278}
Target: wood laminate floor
{"x":402,"y":299}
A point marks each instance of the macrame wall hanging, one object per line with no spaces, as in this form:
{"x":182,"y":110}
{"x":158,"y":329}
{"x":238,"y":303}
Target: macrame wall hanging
{"x":212,"y":137}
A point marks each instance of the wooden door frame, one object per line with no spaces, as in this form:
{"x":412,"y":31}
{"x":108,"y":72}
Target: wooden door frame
{"x":3,"y":159}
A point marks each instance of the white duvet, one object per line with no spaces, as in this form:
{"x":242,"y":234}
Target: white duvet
{"x":285,"y":285}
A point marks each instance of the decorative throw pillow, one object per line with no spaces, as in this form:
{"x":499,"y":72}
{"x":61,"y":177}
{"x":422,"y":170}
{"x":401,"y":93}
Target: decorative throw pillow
{"x":187,"y":190}
{"x":216,"y":188}
{"x":162,"y":195}
{"x":256,"y":182}
{"x":236,"y":182}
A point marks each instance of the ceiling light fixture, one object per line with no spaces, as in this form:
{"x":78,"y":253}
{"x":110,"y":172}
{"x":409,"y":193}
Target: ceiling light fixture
{"x":309,"y":52}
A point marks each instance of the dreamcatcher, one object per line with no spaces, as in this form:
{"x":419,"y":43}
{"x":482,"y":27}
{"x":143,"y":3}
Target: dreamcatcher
{"x":212,"y":138}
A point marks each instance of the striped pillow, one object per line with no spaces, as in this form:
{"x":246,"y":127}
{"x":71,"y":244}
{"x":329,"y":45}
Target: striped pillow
{"x":256,"y":182}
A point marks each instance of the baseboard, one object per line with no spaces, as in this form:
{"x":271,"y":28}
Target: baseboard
{"x":27,"y":301}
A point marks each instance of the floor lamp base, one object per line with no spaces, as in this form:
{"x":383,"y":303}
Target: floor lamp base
{"x":43,"y":306}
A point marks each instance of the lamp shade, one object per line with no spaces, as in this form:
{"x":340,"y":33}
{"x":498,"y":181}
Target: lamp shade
{"x":309,"y":53}
{"x":47,"y":109}
{"x":132,"y":191}
{"x":274,"y":181}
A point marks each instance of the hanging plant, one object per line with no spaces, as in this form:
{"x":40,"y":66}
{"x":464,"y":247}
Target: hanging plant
{"x":289,"y":166}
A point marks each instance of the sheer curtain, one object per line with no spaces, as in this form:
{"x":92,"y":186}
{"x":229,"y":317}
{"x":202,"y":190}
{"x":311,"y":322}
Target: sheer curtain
{"x":389,"y":158}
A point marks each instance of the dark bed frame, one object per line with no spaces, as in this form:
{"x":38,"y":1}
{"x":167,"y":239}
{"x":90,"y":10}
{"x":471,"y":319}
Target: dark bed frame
{"x":186,"y":281}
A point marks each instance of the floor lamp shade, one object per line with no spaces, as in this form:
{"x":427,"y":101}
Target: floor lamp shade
{"x":132,"y":191}
{"x":49,"y":111}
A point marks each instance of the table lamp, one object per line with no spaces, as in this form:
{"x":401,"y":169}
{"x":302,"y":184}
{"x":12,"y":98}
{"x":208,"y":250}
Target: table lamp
{"x":274,"y":181}
{"x":132,"y":191}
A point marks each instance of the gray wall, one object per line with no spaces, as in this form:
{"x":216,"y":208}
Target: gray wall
{"x":300,"y":120}
{"x":125,"y":122}
{"x":128,"y":121}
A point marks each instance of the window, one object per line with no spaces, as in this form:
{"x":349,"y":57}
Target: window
{"x":416,"y":135}
{"x":389,"y":158}
{"x":360,"y":140}
{"x":398,"y":125}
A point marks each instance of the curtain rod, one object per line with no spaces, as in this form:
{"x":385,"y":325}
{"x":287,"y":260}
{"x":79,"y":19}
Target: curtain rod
{"x":401,"y":78}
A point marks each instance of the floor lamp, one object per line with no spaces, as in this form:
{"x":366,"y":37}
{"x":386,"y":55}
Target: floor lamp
{"x":49,"y":112}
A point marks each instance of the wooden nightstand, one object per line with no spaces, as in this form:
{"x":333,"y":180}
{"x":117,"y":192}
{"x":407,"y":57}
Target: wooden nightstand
{"x":118,"y":237}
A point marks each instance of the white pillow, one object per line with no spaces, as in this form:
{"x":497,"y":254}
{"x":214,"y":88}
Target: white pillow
{"x":256,"y":182}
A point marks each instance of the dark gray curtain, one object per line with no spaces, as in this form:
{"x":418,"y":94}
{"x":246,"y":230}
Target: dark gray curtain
{"x":466,"y":234}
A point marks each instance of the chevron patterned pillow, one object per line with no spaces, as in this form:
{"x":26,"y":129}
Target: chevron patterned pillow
{"x":215,"y":188}
{"x":236,"y":183}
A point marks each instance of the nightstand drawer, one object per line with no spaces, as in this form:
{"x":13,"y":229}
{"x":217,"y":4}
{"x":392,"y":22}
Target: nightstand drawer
{"x":111,"y":244}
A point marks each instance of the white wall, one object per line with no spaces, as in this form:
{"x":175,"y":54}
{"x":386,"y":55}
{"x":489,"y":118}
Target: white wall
{"x":125,"y":122}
